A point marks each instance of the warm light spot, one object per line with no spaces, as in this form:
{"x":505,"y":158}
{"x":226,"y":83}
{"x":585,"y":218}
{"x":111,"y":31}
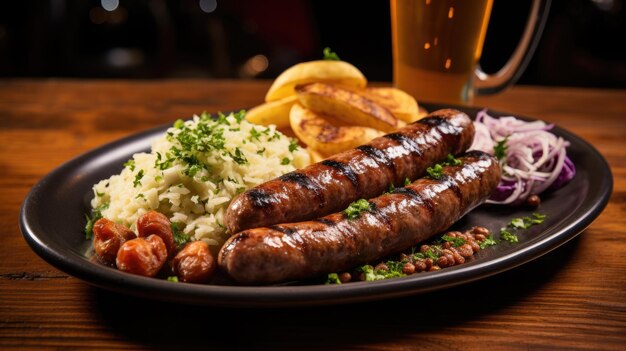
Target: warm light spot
{"x":254,"y":66}
{"x":451,"y":12}
{"x":448,"y":63}
{"x":435,"y":41}
{"x":427,"y":46}
{"x":427,"y":2}
{"x":97,"y":15}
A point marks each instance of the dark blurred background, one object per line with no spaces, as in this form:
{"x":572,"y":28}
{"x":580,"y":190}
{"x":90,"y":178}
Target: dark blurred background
{"x":583,"y":43}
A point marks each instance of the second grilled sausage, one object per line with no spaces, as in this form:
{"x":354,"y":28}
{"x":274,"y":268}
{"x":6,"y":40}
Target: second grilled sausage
{"x":394,"y":222}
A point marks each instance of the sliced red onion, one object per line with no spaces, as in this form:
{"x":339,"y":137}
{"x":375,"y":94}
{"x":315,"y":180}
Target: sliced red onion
{"x":535,"y":161}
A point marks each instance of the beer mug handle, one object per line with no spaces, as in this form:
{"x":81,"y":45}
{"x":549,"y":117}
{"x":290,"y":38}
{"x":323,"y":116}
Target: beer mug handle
{"x":492,"y":83}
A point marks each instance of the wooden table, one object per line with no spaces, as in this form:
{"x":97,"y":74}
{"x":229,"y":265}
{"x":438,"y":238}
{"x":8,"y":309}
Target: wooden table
{"x":572,"y":298}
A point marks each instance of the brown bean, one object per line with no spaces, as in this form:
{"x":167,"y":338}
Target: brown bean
{"x":408,"y":268}
{"x":142,"y":256}
{"x":475,"y":246}
{"x":429,"y":263}
{"x":458,"y":259}
{"x":533,"y":201}
{"x":194,"y":263}
{"x":381,"y":267}
{"x":480,"y":230}
{"x":465,"y":250}
{"x":155,"y":223}
{"x":480,"y":237}
{"x":420,"y":266}
{"x":434,"y":268}
{"x":345,"y":277}
{"x":450,"y":259}
{"x":443,"y":262}
{"x":108,"y":236}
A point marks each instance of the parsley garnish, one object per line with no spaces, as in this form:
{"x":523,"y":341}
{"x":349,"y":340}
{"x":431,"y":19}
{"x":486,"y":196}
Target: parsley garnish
{"x":333,"y":278}
{"x":293,"y":145}
{"x":508,"y":236}
{"x":254,"y":134}
{"x":285,"y":161}
{"x":239,"y":157}
{"x":407,"y":181}
{"x":451,"y":161}
{"x":435,"y":172}
{"x":130,"y":164}
{"x":260,"y":152}
{"x":487,"y":242}
{"x":456,"y":241}
{"x":180,"y":238}
{"x":356,"y":208}
{"x":499,"y":150}
{"x":173,"y":279}
{"x":239,"y":115}
{"x":179,"y":124}
{"x":330,"y":55}
{"x":96,"y":214}
{"x":138,"y":176}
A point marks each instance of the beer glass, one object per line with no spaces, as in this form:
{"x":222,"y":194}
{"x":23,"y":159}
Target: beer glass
{"x":437,"y":45}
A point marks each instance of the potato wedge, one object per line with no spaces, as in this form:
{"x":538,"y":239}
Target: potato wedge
{"x":275,"y":112}
{"x":324,"y":137}
{"x":346,"y":105}
{"x":401,"y":104}
{"x":338,"y":72}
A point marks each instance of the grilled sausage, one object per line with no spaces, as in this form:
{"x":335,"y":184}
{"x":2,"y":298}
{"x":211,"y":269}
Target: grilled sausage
{"x":158,"y":224}
{"x":395,"y":222}
{"x":364,"y":172}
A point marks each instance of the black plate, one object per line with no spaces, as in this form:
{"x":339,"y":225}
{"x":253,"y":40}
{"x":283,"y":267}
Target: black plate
{"x":52,"y":221}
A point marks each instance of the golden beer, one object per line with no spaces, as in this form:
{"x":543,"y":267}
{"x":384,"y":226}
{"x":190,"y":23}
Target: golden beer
{"x":436,"y":47}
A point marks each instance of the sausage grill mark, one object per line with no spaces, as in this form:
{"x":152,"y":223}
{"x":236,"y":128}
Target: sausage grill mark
{"x":344,"y":169}
{"x":305,"y":181}
{"x":407,"y":142}
{"x":433,"y":121}
{"x":377,"y":155}
{"x":260,"y":199}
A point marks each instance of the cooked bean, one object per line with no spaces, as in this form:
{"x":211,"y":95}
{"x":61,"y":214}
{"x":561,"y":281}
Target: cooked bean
{"x":465,"y":250}
{"x":194,"y":263}
{"x":443,"y":262}
{"x":155,"y":223}
{"x":408,"y":268}
{"x":345,"y":277}
{"x":142,"y":256}
{"x":480,"y":230}
{"x":381,"y":267}
{"x":533,"y":201}
{"x":420,"y":266}
{"x":108,"y":236}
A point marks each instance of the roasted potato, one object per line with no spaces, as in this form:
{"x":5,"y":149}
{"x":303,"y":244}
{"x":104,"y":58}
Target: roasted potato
{"x":324,"y":137}
{"x":345,"y":105}
{"x":399,"y":103}
{"x":275,"y":112}
{"x":337,"y":72}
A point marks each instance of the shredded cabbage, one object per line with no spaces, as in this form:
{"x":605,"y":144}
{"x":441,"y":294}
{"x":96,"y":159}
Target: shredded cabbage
{"x":534,"y":159}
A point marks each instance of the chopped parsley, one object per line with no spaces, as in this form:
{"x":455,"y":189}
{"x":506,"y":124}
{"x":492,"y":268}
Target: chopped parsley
{"x":333,"y":278}
{"x":261,"y":151}
{"x":499,"y":150}
{"x":330,"y":55}
{"x":487,"y":242}
{"x":285,"y":161}
{"x":130,"y":164}
{"x":356,"y":208}
{"x":180,"y":238}
{"x":452,"y":161}
{"x":407,"y":181}
{"x":255,"y":134}
{"x":508,"y":236}
{"x":293,"y":145}
{"x":138,"y":176}
{"x":173,"y":279}
{"x":456,"y":241}
{"x":179,"y":124}
{"x":96,"y":214}
{"x":435,"y":172}
{"x":238,"y":157}
{"x":520,"y":223}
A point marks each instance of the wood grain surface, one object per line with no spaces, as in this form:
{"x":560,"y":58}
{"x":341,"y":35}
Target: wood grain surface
{"x":573,"y":298}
